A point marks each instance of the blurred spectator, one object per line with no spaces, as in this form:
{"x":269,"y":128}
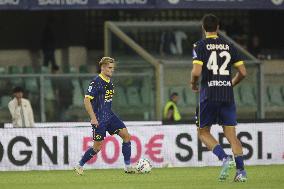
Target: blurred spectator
{"x":242,"y":41}
{"x":255,"y":47}
{"x":171,"y":113}
{"x":236,"y":31}
{"x":21,"y":109}
{"x":63,"y":90}
{"x":171,"y":42}
{"x":167,"y":39}
{"x":180,"y":36}
{"x":48,"y":46}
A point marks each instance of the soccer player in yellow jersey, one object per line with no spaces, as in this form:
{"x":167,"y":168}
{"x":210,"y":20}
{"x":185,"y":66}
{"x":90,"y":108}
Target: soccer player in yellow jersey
{"x":98,"y":101}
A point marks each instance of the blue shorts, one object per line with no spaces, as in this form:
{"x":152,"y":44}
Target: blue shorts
{"x":112,"y":126}
{"x":222,"y":113}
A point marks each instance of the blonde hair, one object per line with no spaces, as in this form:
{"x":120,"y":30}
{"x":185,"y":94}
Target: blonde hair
{"x":106,"y":60}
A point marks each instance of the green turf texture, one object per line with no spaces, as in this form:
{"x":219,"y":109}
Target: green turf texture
{"x":259,"y":177}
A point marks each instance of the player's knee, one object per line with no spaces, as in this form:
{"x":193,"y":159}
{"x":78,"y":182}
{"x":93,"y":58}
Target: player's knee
{"x":97,"y":149}
{"x":201,"y":136}
{"x":97,"y":146}
{"x":124,"y":135}
{"x":202,"y":132}
{"x":127,"y":137}
{"x":198,"y":132}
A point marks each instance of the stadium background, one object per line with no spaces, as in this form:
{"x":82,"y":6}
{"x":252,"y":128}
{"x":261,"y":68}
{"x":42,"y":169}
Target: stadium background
{"x":80,"y":40}
{"x":132,"y":32}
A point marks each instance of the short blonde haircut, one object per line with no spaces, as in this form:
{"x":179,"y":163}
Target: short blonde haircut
{"x":106,"y":60}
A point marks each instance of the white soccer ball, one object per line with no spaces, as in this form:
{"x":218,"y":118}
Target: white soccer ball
{"x":143,"y":166}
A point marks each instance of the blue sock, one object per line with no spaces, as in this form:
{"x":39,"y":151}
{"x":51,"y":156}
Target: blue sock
{"x":219,"y":152}
{"x":126,"y":151}
{"x":239,"y":162}
{"x":87,"y":156}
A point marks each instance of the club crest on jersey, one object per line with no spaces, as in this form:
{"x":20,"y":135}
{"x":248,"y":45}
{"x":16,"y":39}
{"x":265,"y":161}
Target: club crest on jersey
{"x":194,"y":55}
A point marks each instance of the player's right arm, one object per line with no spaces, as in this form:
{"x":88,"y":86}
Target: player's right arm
{"x":89,"y":109}
{"x":238,"y":63}
{"x":90,"y":95}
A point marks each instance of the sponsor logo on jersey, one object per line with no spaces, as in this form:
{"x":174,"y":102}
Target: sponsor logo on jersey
{"x":108,"y":95}
{"x":216,"y":83}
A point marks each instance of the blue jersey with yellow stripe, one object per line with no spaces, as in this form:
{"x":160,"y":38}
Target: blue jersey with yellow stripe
{"x":216,"y":57}
{"x":101,"y":91}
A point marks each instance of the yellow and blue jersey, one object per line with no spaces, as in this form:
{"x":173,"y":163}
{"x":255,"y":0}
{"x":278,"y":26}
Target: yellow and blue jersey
{"x":101,"y":91}
{"x":216,"y":57}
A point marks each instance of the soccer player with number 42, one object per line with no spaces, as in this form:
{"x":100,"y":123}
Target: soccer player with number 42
{"x":212,"y":59}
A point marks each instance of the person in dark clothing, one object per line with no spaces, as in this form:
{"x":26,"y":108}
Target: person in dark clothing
{"x":167,"y":40}
{"x":48,"y":47}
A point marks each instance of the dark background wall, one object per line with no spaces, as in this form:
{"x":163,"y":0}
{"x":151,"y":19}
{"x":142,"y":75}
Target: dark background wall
{"x":23,"y":29}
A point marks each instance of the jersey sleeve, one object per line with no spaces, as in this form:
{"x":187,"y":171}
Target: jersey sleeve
{"x":92,"y":90}
{"x":197,"y":54}
{"x":236,"y":58}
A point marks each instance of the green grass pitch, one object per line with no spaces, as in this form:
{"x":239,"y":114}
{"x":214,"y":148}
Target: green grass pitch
{"x":259,"y":177}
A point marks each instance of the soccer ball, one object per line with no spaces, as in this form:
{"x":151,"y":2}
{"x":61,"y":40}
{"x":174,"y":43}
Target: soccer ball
{"x":143,"y":166}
